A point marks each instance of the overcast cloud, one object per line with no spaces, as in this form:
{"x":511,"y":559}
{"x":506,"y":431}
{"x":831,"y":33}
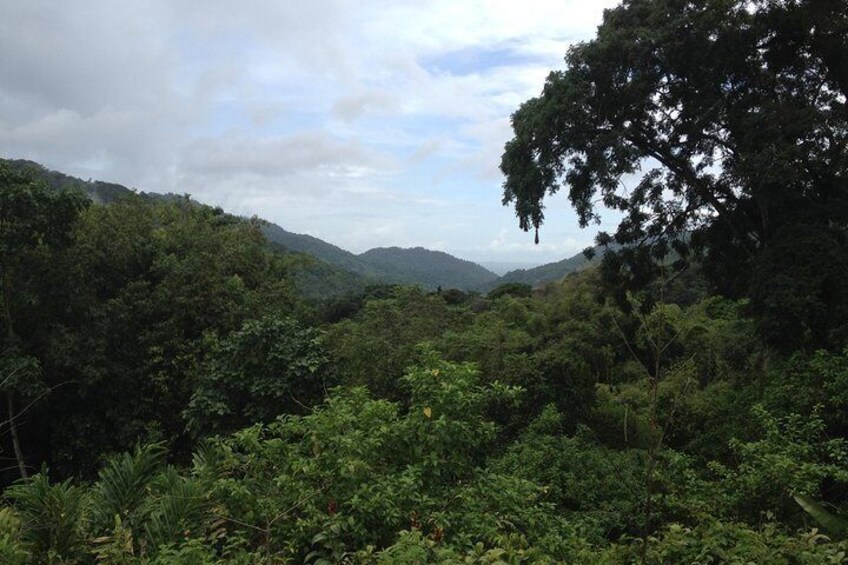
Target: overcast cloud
{"x":366,"y":124}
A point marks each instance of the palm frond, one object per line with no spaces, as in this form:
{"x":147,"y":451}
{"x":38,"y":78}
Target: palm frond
{"x":124,"y":484}
{"x":51,"y":516}
{"x":178,"y":509}
{"x":834,"y":524}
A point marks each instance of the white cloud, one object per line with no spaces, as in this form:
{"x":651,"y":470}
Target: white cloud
{"x":312,"y":151}
{"x":350,"y":108}
{"x":369,"y":123}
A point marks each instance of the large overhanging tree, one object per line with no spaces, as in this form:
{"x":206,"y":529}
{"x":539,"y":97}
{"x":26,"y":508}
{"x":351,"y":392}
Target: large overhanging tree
{"x":715,"y":126}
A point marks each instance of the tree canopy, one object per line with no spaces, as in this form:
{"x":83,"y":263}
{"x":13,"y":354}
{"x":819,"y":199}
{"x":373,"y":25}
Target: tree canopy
{"x":202,"y":412}
{"x":718,"y":126}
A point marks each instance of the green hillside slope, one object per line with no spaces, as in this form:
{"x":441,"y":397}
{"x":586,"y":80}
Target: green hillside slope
{"x":546,"y":273}
{"x":431,"y":269}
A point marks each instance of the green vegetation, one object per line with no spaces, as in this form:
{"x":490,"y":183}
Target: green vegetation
{"x":431,"y":269}
{"x":169,"y":396}
{"x":729,"y":120}
{"x":320,"y":269}
{"x":542,"y":274}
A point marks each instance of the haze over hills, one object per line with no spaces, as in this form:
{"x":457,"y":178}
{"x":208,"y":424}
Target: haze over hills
{"x":501,"y":268}
{"x":335,"y":270}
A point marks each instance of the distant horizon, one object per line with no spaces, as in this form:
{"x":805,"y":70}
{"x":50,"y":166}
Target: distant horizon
{"x":362,"y":125}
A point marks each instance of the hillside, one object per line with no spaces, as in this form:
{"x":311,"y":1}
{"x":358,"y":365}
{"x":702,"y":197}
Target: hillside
{"x":99,"y":191}
{"x":432,"y":269}
{"x":333,"y":271}
{"x":320,"y":249}
{"x":546,"y":273}
{"x":336,"y":270}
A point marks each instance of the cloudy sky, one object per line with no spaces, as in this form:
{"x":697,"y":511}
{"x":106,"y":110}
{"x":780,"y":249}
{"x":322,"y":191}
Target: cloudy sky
{"x":365,"y":123}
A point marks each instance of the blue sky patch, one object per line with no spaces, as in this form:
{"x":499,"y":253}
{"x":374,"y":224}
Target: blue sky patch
{"x":473,"y":60}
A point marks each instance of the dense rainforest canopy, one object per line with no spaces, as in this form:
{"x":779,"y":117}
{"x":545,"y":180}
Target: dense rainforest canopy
{"x":170,"y":396}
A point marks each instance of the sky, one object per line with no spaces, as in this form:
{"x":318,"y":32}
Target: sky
{"x":364,"y":123}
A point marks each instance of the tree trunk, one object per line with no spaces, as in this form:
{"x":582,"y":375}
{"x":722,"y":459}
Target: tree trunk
{"x":16,"y":442}
{"x":10,"y":395}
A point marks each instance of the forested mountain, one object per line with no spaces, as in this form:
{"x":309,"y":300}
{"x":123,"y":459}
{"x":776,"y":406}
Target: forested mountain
{"x":338,"y":271}
{"x":335,"y":272}
{"x":549,"y":272}
{"x":326,"y":252}
{"x":394,"y":265}
{"x":432,"y":269}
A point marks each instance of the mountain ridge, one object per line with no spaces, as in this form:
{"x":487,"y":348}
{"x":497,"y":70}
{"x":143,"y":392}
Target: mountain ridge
{"x":548,"y":272}
{"x":391,"y":264}
{"x":433,"y":268}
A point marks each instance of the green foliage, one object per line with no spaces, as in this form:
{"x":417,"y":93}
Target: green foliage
{"x":34,"y":223}
{"x":495,"y":343}
{"x":364,"y":479}
{"x":414,"y":547}
{"x":268,"y":367}
{"x":836,"y":525}
{"x":32,"y":215}
{"x":121,"y":316}
{"x":737,"y":131}
{"x":798,"y":288}
{"x":446,"y":397}
{"x":12,"y":549}
{"x":178,"y":509}
{"x":727,"y":542}
{"x":456,"y":297}
{"x":792,"y":456}
{"x":52,"y":517}
{"x":136,"y":507}
{"x":192,"y":552}
{"x":122,"y":486}
{"x":519,"y":290}
{"x":380,"y":342}
{"x":809,"y":380}
{"x":21,"y":376}
{"x":599,"y":489}
{"x":358,"y":470}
